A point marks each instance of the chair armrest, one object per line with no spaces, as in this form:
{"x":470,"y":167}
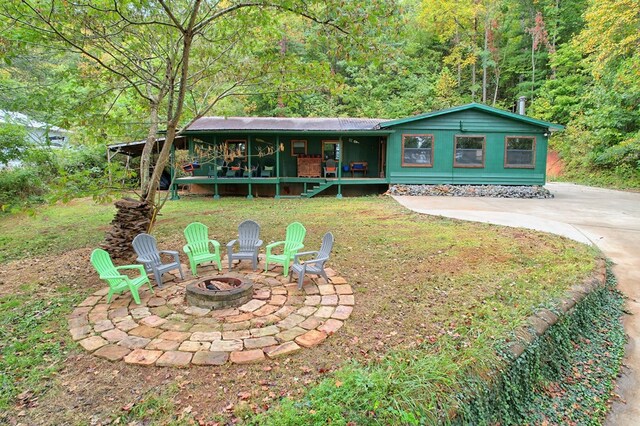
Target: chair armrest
{"x":138,"y":267}
{"x":230,"y":244}
{"x":273,"y":245}
{"x":108,"y":277}
{"x":186,"y":249}
{"x":259,"y":243}
{"x":141,"y":259}
{"x":319,"y":260}
{"x":171,"y":252}
{"x":215,"y":243}
{"x":297,"y":256}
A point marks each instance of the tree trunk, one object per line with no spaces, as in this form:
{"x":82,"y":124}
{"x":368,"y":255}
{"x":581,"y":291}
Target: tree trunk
{"x":147,"y":151}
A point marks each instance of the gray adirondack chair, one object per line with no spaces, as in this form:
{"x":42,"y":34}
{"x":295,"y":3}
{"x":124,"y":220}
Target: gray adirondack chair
{"x":315,"y":265}
{"x":146,"y":248}
{"x":248,"y":242}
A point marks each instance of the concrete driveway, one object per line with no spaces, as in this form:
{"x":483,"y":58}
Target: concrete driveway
{"x":609,"y":219}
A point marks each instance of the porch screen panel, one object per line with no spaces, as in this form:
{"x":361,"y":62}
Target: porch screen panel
{"x":417,"y":150}
{"x":469,"y":151}
{"x":520,"y":151}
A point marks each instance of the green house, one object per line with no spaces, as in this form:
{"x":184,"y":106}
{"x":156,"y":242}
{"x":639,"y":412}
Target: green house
{"x":303,"y":157}
{"x":469,"y":144}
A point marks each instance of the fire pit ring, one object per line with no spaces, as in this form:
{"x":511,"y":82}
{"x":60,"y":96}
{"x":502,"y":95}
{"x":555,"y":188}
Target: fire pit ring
{"x":219,"y":292}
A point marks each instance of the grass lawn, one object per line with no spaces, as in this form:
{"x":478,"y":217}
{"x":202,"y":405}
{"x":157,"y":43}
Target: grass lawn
{"x":435,"y":300}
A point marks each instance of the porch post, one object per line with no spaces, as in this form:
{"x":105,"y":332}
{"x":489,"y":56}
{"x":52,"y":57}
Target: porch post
{"x":277,"y":167}
{"x":249,"y":196}
{"x":172,"y":171}
{"x":339,"y":195}
{"x":216,"y":195}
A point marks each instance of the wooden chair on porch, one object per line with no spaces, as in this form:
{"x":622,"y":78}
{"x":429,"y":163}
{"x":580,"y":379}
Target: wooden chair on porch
{"x":359,"y":167}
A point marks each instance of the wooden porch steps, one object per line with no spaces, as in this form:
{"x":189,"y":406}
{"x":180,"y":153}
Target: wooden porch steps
{"x":316,"y":189}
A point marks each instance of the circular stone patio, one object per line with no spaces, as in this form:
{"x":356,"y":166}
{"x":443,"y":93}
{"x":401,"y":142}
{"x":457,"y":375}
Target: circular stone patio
{"x":165,"y":331}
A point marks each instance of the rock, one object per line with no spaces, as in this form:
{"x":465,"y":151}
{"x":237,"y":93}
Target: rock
{"x":498,"y":191}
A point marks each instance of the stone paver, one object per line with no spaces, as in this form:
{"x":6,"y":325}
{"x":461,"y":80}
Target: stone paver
{"x":174,"y":359}
{"x":200,"y":336}
{"x":79,"y":333}
{"x":142,"y":357}
{"x":115,"y":335}
{"x":290,"y":334}
{"x":163,"y":345}
{"x":145,"y":331}
{"x":92,"y":343}
{"x":342,"y":312}
{"x":247,"y":357}
{"x":226,"y":345}
{"x":311,"y":338}
{"x":283,"y":349}
{"x":189,"y":346}
{"x":134,"y":342}
{"x":330,"y":326}
{"x":112,"y":352}
{"x":210,"y":358}
{"x":260,"y":342}
{"x":153,"y":321}
{"x":252,"y":305}
{"x":163,"y":331}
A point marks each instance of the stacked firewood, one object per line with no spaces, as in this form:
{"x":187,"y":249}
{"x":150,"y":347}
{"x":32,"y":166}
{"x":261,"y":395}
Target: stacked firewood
{"x":132,"y":218}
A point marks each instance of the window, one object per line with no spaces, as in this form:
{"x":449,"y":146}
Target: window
{"x":331,"y":150}
{"x":519,"y":151}
{"x":235,"y":148}
{"x":469,"y":151}
{"x":417,"y":150}
{"x":298,"y":147}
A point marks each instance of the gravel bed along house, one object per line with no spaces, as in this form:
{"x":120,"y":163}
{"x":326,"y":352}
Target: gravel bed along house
{"x":499,"y":191}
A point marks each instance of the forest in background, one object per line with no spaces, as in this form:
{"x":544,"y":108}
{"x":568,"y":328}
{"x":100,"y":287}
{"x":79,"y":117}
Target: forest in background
{"x":576,"y":61}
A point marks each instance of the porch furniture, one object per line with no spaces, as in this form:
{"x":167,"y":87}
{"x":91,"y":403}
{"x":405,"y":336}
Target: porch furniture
{"x":358,"y":167}
{"x":249,"y":244}
{"x":118,"y":282}
{"x":247,"y":173}
{"x":216,"y":169}
{"x":330,"y":168}
{"x":146,"y":248}
{"x":266,"y":171}
{"x":309,"y":166}
{"x":197,"y":247}
{"x":315,"y":265}
{"x":293,"y":242}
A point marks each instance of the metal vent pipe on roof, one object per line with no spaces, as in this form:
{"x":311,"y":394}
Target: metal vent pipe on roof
{"x":522,"y":100}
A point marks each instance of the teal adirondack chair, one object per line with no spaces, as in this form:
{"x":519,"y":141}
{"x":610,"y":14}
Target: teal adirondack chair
{"x":292,"y":243}
{"x":118,"y":283}
{"x":197,"y":247}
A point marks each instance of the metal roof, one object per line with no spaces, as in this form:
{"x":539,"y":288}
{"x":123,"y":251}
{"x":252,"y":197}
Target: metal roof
{"x":477,"y":106}
{"x":340,"y":124}
{"x":134,"y":149}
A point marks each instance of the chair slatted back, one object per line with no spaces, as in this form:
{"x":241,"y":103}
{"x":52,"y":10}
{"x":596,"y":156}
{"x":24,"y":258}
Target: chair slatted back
{"x":145,"y":246}
{"x":103,"y":264}
{"x":248,"y":235}
{"x":294,"y":236}
{"x":197,"y":236}
{"x":326,"y":246}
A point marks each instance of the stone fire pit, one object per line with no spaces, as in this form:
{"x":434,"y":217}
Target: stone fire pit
{"x":219,"y":292}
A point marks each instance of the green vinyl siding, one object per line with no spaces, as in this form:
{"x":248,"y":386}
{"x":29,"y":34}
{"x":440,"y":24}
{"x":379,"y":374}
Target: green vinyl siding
{"x":445,"y":128}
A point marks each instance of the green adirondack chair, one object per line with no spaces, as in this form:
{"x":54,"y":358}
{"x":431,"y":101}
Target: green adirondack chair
{"x":118,"y":283}
{"x":197,"y":247}
{"x":291,"y":245}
